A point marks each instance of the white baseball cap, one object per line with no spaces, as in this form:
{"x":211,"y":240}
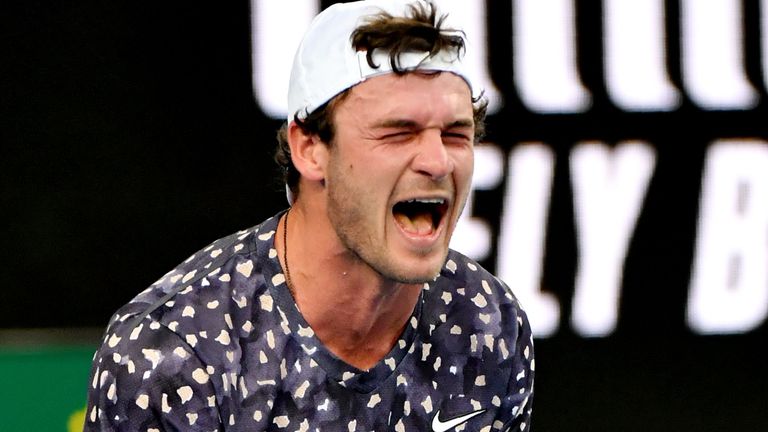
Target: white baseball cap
{"x":326,"y":63}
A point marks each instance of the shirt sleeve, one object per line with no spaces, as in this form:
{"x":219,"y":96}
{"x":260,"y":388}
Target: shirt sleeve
{"x":149,"y":379}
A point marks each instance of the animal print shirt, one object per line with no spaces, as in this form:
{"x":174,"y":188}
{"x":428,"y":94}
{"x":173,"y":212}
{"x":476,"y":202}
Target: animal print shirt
{"x":218,"y":344}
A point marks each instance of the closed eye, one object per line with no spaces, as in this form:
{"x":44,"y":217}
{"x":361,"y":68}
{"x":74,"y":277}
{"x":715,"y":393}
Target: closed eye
{"x":457,"y":137}
{"x":398,"y":136}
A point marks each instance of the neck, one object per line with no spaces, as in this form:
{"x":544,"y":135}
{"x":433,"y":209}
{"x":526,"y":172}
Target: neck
{"x":353,"y":310}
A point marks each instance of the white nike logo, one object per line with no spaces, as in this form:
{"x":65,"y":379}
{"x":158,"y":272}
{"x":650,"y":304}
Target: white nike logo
{"x":444,"y":426}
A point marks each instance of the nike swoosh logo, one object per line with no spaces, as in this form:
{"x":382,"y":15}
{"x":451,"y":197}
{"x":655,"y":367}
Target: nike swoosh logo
{"x":444,"y":426}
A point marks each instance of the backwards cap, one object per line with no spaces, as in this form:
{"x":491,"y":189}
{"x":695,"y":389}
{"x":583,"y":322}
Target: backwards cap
{"x":326,"y":63}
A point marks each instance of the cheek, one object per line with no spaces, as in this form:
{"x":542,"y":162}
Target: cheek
{"x":464,"y":168}
{"x":340,"y":164}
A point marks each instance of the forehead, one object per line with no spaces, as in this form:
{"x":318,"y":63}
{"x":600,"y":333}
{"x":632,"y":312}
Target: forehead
{"x":414,"y":94}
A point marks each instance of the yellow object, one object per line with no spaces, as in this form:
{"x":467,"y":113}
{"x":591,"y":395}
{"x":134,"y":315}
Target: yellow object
{"x":76,"y":421}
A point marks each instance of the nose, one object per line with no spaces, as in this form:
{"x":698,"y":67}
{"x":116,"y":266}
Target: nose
{"x":431,"y":157}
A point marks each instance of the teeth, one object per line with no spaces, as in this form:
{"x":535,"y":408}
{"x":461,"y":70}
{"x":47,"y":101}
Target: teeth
{"x":427,"y":201}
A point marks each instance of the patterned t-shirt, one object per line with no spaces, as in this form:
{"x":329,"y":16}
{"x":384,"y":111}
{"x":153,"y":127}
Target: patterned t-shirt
{"x":219,"y":344}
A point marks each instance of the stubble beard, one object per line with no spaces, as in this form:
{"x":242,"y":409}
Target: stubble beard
{"x":353,"y":223}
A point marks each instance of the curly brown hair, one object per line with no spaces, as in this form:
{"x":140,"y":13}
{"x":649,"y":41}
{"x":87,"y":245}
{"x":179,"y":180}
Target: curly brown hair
{"x":421,"y":30}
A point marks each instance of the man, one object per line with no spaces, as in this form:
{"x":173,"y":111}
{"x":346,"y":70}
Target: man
{"x":347,"y":312}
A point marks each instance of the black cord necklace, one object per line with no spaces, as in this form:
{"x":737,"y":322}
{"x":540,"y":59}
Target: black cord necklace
{"x":288,"y":282}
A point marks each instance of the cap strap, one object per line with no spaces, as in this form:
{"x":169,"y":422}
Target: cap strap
{"x":409,"y":60}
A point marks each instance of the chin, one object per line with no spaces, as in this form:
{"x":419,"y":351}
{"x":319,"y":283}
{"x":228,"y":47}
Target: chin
{"x":414,"y":279}
{"x":422,"y":273}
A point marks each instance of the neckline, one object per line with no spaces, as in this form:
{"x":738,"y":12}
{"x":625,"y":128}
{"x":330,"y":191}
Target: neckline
{"x":346,"y":375}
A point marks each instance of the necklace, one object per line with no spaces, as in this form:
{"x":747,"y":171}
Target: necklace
{"x":288,"y":282}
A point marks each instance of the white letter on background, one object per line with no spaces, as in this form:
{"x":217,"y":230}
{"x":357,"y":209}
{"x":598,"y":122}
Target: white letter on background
{"x":713,"y":55}
{"x":635,"y":68}
{"x":546,"y":73}
{"x":609,"y":188}
{"x":729,"y":284}
{"x":764,"y":39}
{"x":472,"y":17}
{"x":276,"y":30}
{"x":521,"y":240}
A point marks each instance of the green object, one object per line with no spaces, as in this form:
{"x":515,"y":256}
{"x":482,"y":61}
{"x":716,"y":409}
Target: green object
{"x":43,"y":388}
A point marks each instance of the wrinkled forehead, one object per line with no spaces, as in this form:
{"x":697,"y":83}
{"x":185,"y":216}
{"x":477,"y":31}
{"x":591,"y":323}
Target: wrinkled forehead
{"x":417,"y":89}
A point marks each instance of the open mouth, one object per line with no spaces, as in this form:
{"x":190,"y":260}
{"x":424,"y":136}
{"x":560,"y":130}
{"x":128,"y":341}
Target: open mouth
{"x":421,"y":216}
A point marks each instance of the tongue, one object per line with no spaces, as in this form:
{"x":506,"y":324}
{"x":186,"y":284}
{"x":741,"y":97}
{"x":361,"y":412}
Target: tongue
{"x":420,"y":224}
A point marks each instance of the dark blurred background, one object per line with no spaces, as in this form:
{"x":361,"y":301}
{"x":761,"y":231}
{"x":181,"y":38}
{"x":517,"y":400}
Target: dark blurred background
{"x":131,"y":136}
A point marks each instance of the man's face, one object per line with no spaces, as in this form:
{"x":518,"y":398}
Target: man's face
{"x":399,"y":171}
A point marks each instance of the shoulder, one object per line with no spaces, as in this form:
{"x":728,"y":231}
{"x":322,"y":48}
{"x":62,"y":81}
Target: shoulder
{"x":181,"y":336}
{"x":219,"y":263}
{"x":470,"y":306}
{"x":212,"y":292}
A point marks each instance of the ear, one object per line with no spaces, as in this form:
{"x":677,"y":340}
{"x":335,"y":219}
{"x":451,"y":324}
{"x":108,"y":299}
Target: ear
{"x":308,"y":153}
